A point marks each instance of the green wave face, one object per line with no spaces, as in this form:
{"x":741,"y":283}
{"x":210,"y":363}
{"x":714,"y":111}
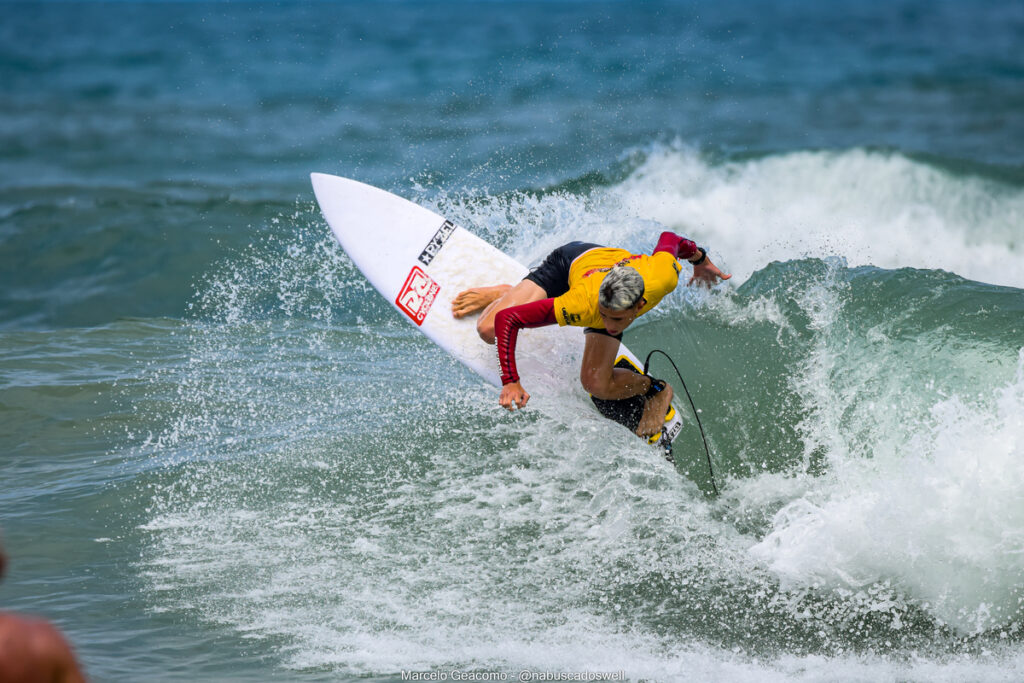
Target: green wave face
{"x":870,"y":423}
{"x":823,"y":360}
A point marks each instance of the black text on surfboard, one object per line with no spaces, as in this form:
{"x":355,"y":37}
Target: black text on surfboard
{"x":435,"y":244}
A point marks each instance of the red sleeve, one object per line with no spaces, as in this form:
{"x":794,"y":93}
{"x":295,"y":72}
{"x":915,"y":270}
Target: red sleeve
{"x":680,"y":247}
{"x":507,"y":324}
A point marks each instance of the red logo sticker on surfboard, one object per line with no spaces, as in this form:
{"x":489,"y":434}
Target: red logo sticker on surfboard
{"x":417,"y":295}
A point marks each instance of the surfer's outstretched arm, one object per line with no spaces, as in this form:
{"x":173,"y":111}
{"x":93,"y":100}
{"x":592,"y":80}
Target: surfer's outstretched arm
{"x":507,"y":323}
{"x":704,"y":271}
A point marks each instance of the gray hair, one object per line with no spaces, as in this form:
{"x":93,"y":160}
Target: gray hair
{"x":622,"y":288}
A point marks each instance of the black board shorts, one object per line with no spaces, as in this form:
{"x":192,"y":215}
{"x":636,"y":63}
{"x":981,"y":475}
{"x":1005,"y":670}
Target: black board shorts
{"x":552,"y":275}
{"x":626,"y":411}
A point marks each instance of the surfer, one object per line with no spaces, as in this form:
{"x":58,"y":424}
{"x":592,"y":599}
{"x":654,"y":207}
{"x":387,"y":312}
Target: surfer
{"x":33,"y":649}
{"x":601,"y":289}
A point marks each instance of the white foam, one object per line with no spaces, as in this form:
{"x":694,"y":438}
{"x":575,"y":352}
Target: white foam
{"x":942,"y":522}
{"x":869,"y":207}
{"x":919,"y":505}
{"x":475,"y":542}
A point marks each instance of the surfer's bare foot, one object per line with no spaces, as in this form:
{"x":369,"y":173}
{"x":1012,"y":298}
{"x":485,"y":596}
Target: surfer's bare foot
{"x":476,"y":299}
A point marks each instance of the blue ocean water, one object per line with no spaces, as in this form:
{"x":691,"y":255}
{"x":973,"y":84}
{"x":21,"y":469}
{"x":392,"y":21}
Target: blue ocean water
{"x":224,"y":457}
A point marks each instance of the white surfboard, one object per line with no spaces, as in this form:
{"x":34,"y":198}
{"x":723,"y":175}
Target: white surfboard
{"x":419,"y":261}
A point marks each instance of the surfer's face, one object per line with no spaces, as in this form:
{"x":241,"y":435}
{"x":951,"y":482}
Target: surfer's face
{"x":615,"y":322}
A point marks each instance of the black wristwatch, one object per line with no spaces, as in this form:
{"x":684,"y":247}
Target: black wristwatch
{"x":703,"y":256}
{"x":656,"y":387}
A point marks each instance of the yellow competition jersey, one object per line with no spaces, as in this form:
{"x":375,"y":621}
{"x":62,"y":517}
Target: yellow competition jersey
{"x":578,"y":306}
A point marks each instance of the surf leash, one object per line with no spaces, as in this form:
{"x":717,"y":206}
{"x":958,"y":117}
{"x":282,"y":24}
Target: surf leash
{"x":707,"y":449}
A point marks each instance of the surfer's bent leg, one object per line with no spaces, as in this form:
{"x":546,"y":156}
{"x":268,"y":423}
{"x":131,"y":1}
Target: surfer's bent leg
{"x":612,"y":385}
{"x":598,"y":373}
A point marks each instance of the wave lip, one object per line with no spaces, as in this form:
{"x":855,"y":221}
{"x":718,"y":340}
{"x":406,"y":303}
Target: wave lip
{"x":869,"y":207}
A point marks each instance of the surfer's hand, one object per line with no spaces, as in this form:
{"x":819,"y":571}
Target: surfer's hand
{"x":513,"y":396}
{"x":654,"y":413}
{"x":707,"y":274}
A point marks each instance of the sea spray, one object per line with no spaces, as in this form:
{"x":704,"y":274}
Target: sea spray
{"x":430,"y":526}
{"x":870,"y":207}
{"x":941,"y":523}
